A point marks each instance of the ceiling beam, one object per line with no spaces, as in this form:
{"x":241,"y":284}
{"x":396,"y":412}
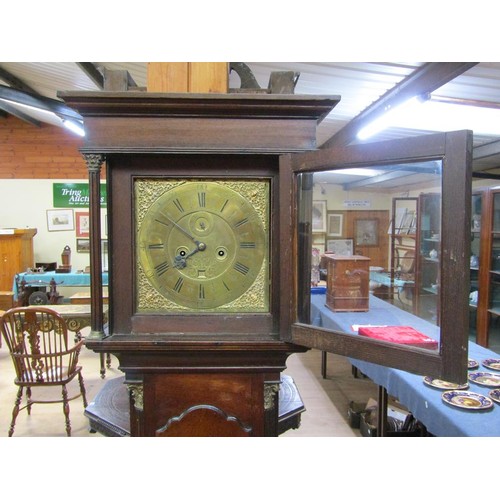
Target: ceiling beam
{"x":5,"y":106}
{"x":90,"y":69}
{"x":423,"y":80}
{"x":484,"y":150}
{"x":19,"y":92}
{"x":15,"y":82}
{"x":37,"y":101}
{"x":396,"y":171}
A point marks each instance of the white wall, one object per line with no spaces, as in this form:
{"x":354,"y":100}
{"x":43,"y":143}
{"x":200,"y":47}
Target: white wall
{"x":336,"y":196}
{"x":25,"y":204}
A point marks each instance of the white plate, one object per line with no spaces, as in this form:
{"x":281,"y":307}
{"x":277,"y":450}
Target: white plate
{"x":486,"y":379}
{"x":467,"y":400}
{"x":442,"y":384}
{"x":492,"y":364}
{"x":495,"y":395}
{"x":472,"y":364}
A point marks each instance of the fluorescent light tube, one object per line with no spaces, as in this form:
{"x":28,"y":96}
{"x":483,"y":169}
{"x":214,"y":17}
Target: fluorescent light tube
{"x":436,"y":116}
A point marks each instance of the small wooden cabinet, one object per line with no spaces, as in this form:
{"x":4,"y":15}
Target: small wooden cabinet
{"x":16,"y":254}
{"x":347,"y":282}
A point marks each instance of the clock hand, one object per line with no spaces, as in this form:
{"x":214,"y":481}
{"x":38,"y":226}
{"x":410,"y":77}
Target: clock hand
{"x":178,"y":226}
{"x":180,"y":261}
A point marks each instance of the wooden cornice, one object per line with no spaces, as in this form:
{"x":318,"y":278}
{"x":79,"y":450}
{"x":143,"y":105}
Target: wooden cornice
{"x":137,"y":103}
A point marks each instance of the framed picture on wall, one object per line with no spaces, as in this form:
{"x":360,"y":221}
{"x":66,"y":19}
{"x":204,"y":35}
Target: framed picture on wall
{"x":83,"y":245}
{"x":334,"y":225}
{"x":341,"y":246}
{"x":366,"y":232}
{"x":319,"y":216}
{"x":60,"y":220}
{"x":82,"y":224}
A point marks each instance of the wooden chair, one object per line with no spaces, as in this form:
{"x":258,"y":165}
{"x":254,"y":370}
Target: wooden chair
{"x":37,"y":338}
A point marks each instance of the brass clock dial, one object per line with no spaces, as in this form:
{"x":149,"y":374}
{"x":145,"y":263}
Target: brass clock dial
{"x":202,"y":245}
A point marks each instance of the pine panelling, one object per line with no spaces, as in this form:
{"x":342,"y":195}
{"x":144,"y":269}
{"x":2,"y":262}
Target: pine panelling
{"x":194,"y":77}
{"x":209,"y":77}
{"x":45,"y":152}
{"x":168,"y":77}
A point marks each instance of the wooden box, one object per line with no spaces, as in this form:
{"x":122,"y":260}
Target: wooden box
{"x":347,"y":282}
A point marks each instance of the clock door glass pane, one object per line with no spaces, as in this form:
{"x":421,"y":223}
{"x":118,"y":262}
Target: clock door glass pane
{"x":369,"y":264}
{"x":383,"y":253}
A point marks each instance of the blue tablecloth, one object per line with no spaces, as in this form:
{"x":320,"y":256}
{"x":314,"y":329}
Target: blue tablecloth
{"x":385,"y":279}
{"x":61,"y":279}
{"x":423,"y":401}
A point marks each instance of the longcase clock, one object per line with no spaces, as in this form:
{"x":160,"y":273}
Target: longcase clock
{"x":198,"y":252}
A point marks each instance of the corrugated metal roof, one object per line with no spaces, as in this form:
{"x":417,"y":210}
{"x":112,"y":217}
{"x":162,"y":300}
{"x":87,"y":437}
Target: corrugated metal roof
{"x":358,"y":83}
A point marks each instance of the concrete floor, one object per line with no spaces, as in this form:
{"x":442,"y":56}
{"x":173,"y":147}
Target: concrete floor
{"x":326,"y":400}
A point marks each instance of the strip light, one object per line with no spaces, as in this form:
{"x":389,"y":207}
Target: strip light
{"x":75,"y":127}
{"x":436,"y":116}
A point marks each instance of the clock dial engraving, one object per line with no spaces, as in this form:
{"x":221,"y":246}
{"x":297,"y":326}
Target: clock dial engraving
{"x":202,"y":245}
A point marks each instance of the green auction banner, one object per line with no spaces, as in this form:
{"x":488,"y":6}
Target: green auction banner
{"x":72,"y":195}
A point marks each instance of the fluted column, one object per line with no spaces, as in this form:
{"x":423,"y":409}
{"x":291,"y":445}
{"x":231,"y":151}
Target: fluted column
{"x":94,"y":163}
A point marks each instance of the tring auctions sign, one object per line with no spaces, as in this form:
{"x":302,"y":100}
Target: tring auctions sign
{"x":74,"y":195}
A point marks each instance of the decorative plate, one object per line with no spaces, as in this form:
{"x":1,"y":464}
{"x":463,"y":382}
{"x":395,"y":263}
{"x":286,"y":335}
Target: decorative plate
{"x":484,"y":378}
{"x":442,"y":384}
{"x":495,"y":395}
{"x":492,"y":364}
{"x":467,"y":400}
{"x":472,"y":364}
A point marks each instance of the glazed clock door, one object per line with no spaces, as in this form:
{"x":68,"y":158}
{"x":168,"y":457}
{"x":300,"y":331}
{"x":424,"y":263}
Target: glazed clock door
{"x":366,"y":177}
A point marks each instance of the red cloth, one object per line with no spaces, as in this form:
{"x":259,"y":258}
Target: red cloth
{"x":399,"y":334}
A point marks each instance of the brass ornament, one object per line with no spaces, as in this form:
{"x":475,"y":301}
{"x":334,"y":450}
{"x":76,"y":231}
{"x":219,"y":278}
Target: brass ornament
{"x":270,"y":391}
{"x":136,"y":392}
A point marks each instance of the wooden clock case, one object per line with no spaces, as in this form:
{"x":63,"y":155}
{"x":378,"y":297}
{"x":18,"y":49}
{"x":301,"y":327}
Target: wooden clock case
{"x":204,"y":375}
{"x":193,"y":375}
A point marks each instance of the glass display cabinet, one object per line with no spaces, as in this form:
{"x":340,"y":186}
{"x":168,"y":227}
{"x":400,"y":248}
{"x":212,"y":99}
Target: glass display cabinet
{"x":403,"y":234}
{"x":429,"y":255}
{"x":475,"y":263}
{"x":484,"y":296}
{"x":494,"y":281}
